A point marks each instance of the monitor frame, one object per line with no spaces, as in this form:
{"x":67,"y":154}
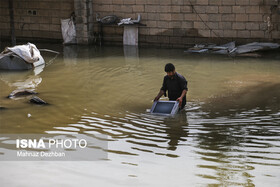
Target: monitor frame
{"x":174,"y":110}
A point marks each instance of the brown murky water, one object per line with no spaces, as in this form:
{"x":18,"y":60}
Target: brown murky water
{"x":228,"y":134}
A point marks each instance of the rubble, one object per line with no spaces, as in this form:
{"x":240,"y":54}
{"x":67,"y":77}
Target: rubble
{"x":232,"y":49}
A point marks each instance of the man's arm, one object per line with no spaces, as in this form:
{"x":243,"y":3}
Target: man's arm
{"x":184,"y":85}
{"x":180,"y":99}
{"x":161,"y":92}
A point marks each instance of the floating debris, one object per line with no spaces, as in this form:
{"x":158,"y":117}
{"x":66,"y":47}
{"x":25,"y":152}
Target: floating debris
{"x":38,"y":101}
{"x":256,"y":46}
{"x":231,"y":49}
{"x":21,"y":57}
{"x":22,"y":92}
{"x":212,"y":48}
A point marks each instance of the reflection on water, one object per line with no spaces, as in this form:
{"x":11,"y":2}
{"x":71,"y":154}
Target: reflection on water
{"x":22,"y":79}
{"x":228,"y":134}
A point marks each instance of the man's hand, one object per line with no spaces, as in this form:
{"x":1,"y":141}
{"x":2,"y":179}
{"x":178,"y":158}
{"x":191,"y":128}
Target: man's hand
{"x":156,"y":98}
{"x":180,"y":100}
{"x":161,"y":92}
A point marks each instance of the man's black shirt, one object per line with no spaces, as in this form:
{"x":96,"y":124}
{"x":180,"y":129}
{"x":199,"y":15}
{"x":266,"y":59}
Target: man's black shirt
{"x":175,"y":87}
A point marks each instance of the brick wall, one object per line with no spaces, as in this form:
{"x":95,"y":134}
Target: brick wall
{"x":170,"y":23}
{"x":35,"y":18}
{"x":179,"y":23}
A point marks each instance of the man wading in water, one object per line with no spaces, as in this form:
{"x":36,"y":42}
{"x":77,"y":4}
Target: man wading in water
{"x":175,"y":84}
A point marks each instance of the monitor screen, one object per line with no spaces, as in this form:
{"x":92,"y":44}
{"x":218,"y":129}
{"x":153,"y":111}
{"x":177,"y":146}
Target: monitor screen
{"x":165,"y":107}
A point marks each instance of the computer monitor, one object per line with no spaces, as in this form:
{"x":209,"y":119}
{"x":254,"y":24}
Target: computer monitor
{"x":165,"y":107}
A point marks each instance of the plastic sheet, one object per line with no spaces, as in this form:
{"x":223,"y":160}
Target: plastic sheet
{"x":28,"y":52}
{"x":68,"y":30}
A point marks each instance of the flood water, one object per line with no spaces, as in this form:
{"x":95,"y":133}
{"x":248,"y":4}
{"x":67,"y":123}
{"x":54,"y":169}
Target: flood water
{"x":228,"y":134}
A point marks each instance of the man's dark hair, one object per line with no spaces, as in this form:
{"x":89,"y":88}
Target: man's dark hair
{"x":169,"y":67}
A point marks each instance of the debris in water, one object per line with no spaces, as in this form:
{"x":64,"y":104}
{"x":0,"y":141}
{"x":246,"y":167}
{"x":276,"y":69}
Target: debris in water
{"x":256,"y":46}
{"x":21,"y":57}
{"x":38,"y":101}
{"x":233,"y":50}
{"x":21,"y":92}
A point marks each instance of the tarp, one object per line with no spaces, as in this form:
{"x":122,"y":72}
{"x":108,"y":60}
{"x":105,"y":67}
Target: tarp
{"x":27,"y":52}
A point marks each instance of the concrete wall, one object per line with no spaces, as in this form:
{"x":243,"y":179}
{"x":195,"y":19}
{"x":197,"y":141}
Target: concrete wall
{"x":35,"y":18}
{"x":179,"y":23}
{"x":169,"y":23}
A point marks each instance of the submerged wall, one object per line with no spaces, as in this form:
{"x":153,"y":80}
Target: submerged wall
{"x":182,"y":22}
{"x":35,"y":19}
{"x":169,"y":23}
